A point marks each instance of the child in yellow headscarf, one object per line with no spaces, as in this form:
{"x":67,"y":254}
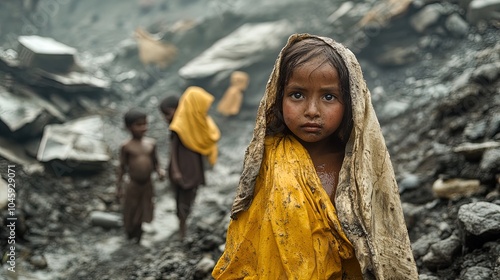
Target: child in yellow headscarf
{"x":194,"y":135}
{"x":317,"y":198}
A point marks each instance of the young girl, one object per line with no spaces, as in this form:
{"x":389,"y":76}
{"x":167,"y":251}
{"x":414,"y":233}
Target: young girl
{"x":317,"y":198}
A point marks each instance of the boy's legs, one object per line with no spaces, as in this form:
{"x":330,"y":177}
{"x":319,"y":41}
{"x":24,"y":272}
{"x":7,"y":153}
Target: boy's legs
{"x":133,"y":211}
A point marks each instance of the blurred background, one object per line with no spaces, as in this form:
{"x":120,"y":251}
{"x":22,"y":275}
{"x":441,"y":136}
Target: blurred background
{"x":70,"y":69}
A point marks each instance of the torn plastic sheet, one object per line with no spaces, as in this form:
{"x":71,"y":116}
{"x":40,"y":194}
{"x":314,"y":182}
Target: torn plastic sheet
{"x":19,"y":112}
{"x":245,"y":46}
{"x":80,"y":141}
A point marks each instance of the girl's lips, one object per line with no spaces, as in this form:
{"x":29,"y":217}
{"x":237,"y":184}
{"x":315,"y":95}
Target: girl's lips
{"x":311,"y":127}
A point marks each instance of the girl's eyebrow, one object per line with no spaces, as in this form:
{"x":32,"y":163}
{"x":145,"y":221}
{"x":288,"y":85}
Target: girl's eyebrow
{"x":295,"y":86}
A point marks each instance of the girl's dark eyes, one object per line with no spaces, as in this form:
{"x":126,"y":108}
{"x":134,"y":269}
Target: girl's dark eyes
{"x":329,"y":97}
{"x":296,"y":95}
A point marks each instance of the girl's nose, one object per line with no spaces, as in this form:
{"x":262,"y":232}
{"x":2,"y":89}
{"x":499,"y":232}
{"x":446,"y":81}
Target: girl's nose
{"x":311,"y":109}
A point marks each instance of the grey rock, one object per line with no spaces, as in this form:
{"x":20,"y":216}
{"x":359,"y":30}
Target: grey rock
{"x":421,"y":246}
{"x":442,"y":253}
{"x":462,"y":80}
{"x":483,"y":10}
{"x":464,"y":3}
{"x":486,"y":73}
{"x":457,"y":26}
{"x":476,"y":273}
{"x":38,"y":261}
{"x":105,"y":219}
{"x":475,"y":131}
{"x":393,"y":108}
{"x":426,"y":17}
{"x":494,"y":126}
{"x":204,"y":266}
{"x":409,"y":181}
{"x":397,"y":56}
{"x":490,"y":163}
{"x":480,"y":218}
{"x":427,"y":277}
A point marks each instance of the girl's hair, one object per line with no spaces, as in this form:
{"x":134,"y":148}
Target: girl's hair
{"x":168,"y":102}
{"x":132,"y":116}
{"x":295,"y":56}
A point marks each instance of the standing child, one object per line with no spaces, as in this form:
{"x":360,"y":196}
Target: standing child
{"x":194,"y":135}
{"x":137,"y":159}
{"x":317,"y":198}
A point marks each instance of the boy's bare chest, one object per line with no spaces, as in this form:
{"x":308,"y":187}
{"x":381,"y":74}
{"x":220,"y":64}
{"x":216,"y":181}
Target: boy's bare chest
{"x":140,"y":149}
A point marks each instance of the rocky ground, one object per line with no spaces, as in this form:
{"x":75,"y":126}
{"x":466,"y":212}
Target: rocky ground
{"x":434,"y":84}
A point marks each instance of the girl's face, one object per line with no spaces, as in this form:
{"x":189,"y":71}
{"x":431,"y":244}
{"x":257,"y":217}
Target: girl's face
{"x":312,"y":102}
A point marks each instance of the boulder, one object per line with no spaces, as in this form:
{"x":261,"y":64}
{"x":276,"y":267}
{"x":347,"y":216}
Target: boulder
{"x":483,"y":10}
{"x":426,"y":17}
{"x":106,"y":220}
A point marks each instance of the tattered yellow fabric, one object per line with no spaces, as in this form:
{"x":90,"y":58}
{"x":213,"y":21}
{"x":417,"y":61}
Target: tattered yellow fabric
{"x":291,"y":208}
{"x":196,"y":129}
{"x":367,"y":197}
{"x":231,"y":101}
{"x":153,"y":51}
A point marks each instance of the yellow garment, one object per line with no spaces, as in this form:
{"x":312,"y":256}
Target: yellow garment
{"x":230,"y":103}
{"x":290,"y":207}
{"x":196,"y":129}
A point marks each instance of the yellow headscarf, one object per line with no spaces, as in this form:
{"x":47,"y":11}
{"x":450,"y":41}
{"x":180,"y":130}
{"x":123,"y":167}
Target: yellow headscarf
{"x":196,"y":129}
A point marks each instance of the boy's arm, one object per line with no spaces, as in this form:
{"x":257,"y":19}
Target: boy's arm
{"x":121,"y":171}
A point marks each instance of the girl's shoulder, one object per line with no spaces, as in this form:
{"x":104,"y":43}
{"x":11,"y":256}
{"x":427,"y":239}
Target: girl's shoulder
{"x":272,"y":140}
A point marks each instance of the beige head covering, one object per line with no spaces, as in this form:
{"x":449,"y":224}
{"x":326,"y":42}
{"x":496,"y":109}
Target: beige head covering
{"x":367,"y":198}
{"x":230,"y":103}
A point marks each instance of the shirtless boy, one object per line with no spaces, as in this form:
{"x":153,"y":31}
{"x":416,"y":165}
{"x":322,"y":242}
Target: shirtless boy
{"x":138,"y":159}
